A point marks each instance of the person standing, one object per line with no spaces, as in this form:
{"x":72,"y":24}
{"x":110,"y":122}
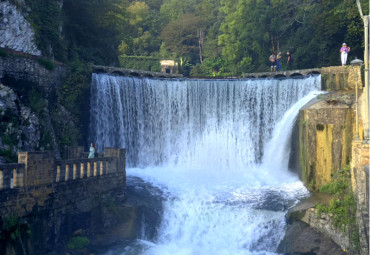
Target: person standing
{"x":278,"y":63}
{"x":272,"y":59}
{"x":344,"y":53}
{"x":92,"y":151}
{"x":289,"y":60}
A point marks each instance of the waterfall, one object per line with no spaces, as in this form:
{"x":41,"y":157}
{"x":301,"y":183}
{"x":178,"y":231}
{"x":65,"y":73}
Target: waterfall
{"x":218,"y":149}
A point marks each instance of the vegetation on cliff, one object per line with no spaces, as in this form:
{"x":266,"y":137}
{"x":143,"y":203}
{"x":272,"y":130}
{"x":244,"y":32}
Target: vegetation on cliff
{"x":207,"y":37}
{"x":342,"y":207}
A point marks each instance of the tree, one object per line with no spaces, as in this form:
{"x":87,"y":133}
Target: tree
{"x":181,"y":36}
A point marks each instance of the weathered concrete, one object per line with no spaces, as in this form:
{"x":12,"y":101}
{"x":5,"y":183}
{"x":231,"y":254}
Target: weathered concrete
{"x":281,"y":74}
{"x":333,"y":78}
{"x":360,"y":188}
{"x":132,"y":72}
{"x":325,"y":140}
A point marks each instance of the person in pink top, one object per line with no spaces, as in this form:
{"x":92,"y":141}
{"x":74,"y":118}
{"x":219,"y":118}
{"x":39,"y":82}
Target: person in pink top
{"x":344,"y":53}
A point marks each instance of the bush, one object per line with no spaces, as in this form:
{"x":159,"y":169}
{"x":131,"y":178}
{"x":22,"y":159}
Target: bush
{"x":342,"y":206}
{"x":48,"y":64}
{"x":78,"y":242}
{"x":140,"y":63}
{"x":3,"y":53}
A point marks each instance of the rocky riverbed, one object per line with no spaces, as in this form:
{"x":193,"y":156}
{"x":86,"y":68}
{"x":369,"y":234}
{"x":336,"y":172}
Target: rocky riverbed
{"x":303,"y":239}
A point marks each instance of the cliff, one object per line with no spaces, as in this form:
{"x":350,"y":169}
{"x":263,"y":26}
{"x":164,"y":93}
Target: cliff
{"x":15,"y":31}
{"x":44,"y":104}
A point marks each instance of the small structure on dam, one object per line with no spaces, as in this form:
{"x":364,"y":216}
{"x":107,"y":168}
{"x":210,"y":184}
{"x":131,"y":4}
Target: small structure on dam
{"x":132,"y":72}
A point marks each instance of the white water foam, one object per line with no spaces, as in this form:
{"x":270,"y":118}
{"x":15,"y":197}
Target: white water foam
{"x":218,"y":150}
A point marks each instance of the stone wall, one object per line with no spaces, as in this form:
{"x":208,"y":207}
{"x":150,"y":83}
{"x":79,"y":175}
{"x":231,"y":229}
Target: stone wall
{"x":325,"y":140}
{"x":336,"y":78}
{"x":28,"y":71}
{"x":56,"y":198}
{"x":360,"y":187}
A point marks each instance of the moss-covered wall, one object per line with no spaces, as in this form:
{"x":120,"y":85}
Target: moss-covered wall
{"x":325,"y":137}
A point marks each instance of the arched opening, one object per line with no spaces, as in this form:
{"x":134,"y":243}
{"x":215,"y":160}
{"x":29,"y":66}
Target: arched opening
{"x":280,"y":76}
{"x":296,"y":75}
{"x":134,"y":74}
{"x":120,"y":73}
{"x":313,"y":72}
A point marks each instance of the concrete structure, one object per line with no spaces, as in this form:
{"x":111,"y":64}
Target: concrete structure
{"x":332,"y":77}
{"x":132,"y":72}
{"x":169,"y":66}
{"x":283,"y":74}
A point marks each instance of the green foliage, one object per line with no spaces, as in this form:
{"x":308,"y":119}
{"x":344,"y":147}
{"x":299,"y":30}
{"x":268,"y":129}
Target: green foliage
{"x":46,"y":20}
{"x":75,"y":97}
{"x":48,"y":64}
{"x":339,"y":211}
{"x":214,"y":67}
{"x":3,"y":53}
{"x":340,"y":184}
{"x":9,"y":156}
{"x":13,"y":230}
{"x":9,"y":124}
{"x":140,"y":63}
{"x":342,"y":206}
{"x":75,"y":92}
{"x":36,"y":102}
{"x":78,"y":242}
{"x":239,"y":33}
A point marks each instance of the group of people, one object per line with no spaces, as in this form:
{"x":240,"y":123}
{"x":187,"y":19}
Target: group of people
{"x":275,"y":61}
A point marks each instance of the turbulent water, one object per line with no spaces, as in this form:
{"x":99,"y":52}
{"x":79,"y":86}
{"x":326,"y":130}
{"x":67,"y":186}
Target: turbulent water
{"x":217,"y":149}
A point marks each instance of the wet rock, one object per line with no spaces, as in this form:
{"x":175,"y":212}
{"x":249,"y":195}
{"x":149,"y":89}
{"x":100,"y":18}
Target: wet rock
{"x":303,"y":239}
{"x":300,"y":238}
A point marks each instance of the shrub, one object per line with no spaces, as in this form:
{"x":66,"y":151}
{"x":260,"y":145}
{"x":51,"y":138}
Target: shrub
{"x":342,"y":206}
{"x":48,"y":64}
{"x":3,"y":53}
{"x":140,"y":63}
{"x":78,"y":242}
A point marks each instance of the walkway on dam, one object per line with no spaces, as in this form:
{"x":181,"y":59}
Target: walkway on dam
{"x":280,"y":74}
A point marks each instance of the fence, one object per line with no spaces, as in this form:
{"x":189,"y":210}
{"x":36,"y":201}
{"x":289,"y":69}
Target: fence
{"x":40,"y":168}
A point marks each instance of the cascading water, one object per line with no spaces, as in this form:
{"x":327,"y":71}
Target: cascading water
{"x":218,"y":149}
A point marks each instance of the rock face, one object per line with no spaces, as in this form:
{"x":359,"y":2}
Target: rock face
{"x":300,"y":238}
{"x":311,"y":235}
{"x":20,"y":127}
{"x":324,"y":225}
{"x":15,"y":31}
{"x":32,"y":108}
{"x":26,"y":71}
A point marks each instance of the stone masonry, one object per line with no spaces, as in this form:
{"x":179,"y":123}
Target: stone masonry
{"x":56,"y":198}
